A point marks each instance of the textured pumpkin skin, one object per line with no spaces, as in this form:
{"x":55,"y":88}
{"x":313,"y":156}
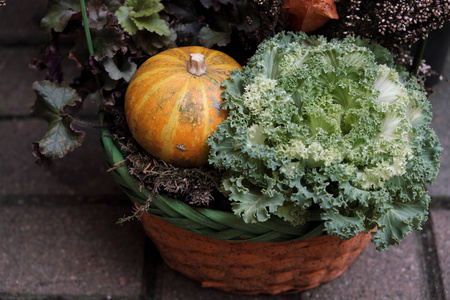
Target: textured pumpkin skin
{"x":170,"y":111}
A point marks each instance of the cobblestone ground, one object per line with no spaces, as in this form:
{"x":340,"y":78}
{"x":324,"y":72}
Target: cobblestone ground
{"x":58,"y":233}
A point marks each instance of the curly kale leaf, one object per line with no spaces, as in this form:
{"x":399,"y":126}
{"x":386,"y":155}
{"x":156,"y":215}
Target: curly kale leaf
{"x":252,"y":205}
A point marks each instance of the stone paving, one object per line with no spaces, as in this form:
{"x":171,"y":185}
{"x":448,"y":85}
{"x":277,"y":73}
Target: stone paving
{"x":58,"y":233}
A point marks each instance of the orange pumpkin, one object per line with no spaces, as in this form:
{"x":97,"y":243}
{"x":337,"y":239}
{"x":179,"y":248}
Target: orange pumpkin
{"x":173,"y":103}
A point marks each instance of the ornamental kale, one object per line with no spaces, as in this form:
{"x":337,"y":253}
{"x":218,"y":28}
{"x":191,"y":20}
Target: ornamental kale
{"x":327,"y":130}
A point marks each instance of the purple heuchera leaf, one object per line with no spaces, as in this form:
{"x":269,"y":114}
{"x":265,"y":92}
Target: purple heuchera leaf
{"x":98,"y":14}
{"x":51,"y":103}
{"x":85,"y":84}
{"x":216,"y":4}
{"x":50,"y":60}
{"x":41,"y":158}
{"x":106,"y":43}
{"x":60,"y":12}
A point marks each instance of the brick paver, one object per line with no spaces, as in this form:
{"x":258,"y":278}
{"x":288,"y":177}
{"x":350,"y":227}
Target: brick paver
{"x":14,"y":69}
{"x":441,"y":221}
{"x":82,"y":172}
{"x":69,"y":249}
{"x":20,"y":22}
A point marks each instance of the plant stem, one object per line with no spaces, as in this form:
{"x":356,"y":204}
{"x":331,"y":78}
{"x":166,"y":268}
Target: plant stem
{"x":86,"y":28}
{"x":89,"y":39}
{"x":418,"y":56}
{"x":197,"y":65}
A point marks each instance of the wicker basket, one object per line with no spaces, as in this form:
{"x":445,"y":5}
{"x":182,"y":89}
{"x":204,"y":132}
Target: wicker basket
{"x":221,"y":251}
{"x":253,"y":267}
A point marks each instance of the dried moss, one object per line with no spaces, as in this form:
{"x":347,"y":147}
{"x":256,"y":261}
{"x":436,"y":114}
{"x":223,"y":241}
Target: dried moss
{"x":196,"y":186}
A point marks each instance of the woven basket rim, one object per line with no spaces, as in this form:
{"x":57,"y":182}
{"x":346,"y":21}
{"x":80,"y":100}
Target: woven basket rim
{"x":217,"y":224}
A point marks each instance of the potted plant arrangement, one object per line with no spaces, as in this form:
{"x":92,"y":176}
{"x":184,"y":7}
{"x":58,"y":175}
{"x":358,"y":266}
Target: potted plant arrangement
{"x":247,"y":148}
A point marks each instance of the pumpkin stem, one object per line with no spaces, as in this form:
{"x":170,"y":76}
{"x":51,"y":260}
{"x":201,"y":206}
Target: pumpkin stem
{"x":197,"y":65}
